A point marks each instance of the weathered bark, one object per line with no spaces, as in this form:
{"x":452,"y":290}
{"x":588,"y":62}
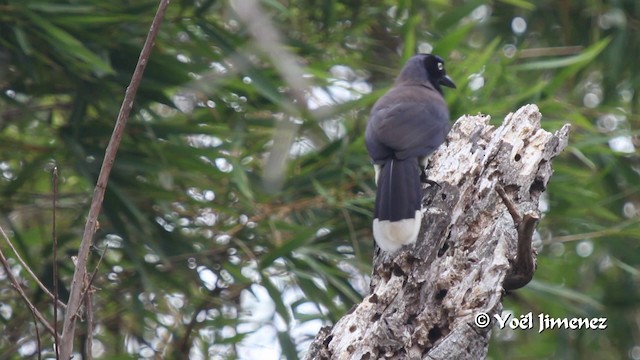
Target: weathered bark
{"x":475,"y":241}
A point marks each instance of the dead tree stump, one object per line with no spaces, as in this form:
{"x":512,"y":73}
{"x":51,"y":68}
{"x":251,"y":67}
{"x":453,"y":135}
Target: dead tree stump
{"x":474,"y":243}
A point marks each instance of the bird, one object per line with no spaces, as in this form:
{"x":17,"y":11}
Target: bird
{"x":406,"y":125}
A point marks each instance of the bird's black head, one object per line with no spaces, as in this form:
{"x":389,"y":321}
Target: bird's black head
{"x":423,"y":68}
{"x":437,"y":73}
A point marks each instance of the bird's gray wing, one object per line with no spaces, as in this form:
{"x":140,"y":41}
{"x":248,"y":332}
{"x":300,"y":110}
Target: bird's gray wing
{"x":410,"y":128}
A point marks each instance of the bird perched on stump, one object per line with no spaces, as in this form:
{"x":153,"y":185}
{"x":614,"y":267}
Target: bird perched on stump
{"x":406,"y":125}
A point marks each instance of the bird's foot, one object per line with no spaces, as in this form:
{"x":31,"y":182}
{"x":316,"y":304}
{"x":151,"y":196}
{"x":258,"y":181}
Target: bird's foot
{"x":425,"y":180}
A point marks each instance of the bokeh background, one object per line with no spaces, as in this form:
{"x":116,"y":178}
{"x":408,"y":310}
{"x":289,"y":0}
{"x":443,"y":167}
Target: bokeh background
{"x":237,"y":217}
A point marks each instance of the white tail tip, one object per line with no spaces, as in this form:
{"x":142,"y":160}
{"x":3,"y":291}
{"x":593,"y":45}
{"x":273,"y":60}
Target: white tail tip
{"x":392,"y":235}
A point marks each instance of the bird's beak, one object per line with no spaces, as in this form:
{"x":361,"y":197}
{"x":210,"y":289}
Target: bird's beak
{"x":446,"y":81}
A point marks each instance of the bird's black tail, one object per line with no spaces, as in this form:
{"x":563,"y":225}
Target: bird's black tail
{"x":397,"y":216}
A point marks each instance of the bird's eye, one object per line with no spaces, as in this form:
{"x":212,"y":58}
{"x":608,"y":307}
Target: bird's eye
{"x":440,"y":66}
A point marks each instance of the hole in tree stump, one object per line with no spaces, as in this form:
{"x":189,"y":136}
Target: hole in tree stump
{"x":434,"y":334}
{"x":397,"y":271}
{"x":443,"y":249}
{"x":376,"y":317}
{"x":441,"y":294}
{"x":536,"y":187}
{"x":327,"y":340}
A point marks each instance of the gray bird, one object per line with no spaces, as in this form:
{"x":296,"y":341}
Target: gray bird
{"x":406,"y":125}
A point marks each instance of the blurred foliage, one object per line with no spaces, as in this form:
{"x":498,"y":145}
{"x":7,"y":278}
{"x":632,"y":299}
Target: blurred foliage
{"x":204,"y":258}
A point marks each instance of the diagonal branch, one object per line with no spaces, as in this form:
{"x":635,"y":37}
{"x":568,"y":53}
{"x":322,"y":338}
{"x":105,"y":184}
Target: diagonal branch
{"x":16,"y":285}
{"x":77,"y":284}
{"x":28,"y":269}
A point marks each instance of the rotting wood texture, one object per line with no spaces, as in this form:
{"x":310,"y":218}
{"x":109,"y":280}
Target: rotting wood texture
{"x":423,"y":299}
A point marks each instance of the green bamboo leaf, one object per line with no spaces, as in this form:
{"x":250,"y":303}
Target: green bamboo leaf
{"x":95,"y":19}
{"x":23,"y":41}
{"x":276,"y":296}
{"x":451,"y":17}
{"x":303,"y":235}
{"x":328,"y":13}
{"x":564,"y":293}
{"x":627,"y":268}
{"x":322,"y":191}
{"x":581,"y":59}
{"x":69,"y":45}
{"x":452,"y":40}
{"x":472,"y":65}
{"x":240,"y":179}
{"x":277,"y":6}
{"x":61,"y":8}
{"x":410,"y":36}
{"x":287,"y":345}
{"x":335,"y":277}
{"x":307,"y":280}
{"x":520,"y":3}
{"x":264,"y":85}
{"x":582,"y":157}
{"x":24,"y":175}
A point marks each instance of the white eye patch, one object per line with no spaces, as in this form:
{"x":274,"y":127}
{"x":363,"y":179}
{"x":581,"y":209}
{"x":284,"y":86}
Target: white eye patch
{"x":440,"y":66}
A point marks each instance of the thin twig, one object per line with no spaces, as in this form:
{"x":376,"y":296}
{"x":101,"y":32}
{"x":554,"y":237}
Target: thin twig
{"x":89,"y":311}
{"x":54,"y":236}
{"x":93,"y":274}
{"x":88,"y":298}
{"x":16,"y":285}
{"x":28,"y":269}
{"x":35,"y":323}
{"x":68,"y":330}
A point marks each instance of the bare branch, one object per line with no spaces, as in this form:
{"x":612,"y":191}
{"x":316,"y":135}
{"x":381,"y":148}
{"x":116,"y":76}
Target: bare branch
{"x":87,"y":288}
{"x":16,"y":285}
{"x":54,"y":236}
{"x":39,"y":343}
{"x":28,"y":269}
{"x":75,"y":298}
{"x":89,"y":312}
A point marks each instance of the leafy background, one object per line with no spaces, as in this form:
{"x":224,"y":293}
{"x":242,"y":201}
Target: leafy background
{"x":237,"y":217}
